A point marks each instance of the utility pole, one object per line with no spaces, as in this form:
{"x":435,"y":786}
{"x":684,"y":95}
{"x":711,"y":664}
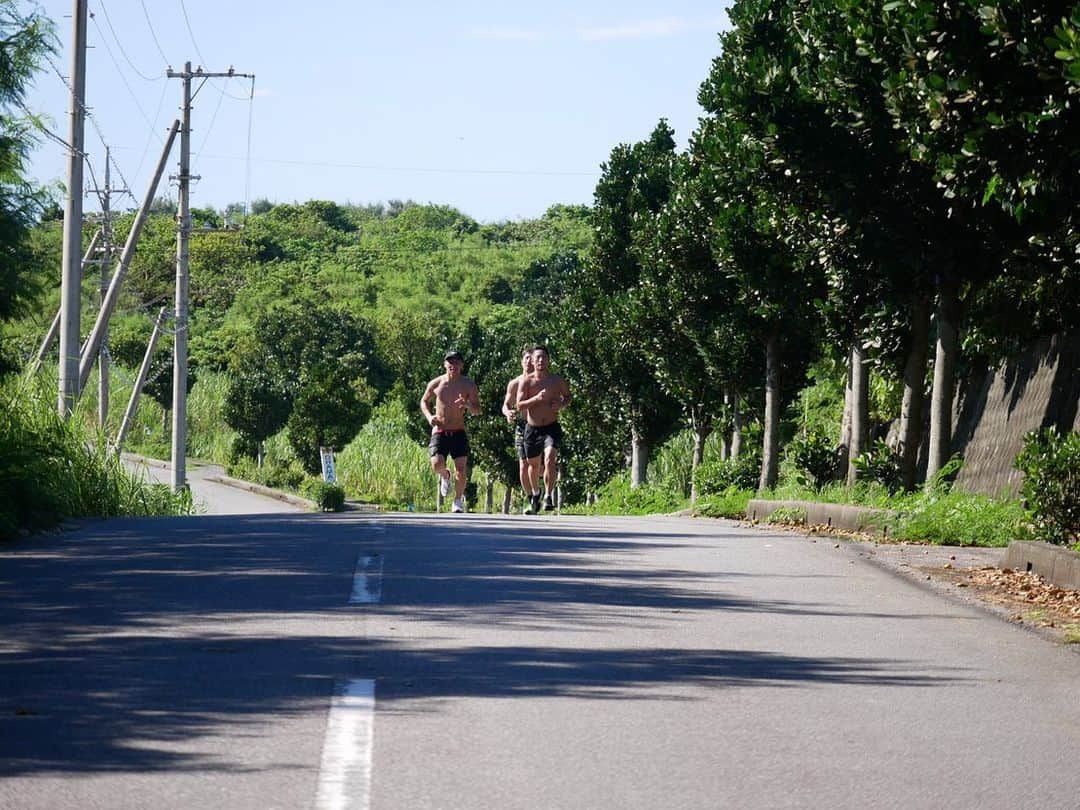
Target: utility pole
{"x":105,"y":254}
{"x":93,"y":342}
{"x":71,"y":273}
{"x":183,"y":237}
{"x":54,"y":327}
{"x":140,"y":381}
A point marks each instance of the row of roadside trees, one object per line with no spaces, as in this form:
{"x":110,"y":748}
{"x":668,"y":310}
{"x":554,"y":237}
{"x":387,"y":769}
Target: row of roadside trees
{"x":880,"y":182}
{"x":873,"y":183}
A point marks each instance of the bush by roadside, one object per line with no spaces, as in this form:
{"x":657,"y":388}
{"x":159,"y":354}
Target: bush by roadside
{"x":327,"y":497}
{"x":52,"y":470}
{"x":1051,"y":466}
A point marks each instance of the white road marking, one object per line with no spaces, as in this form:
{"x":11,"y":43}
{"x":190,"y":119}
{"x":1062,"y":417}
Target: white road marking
{"x":345,"y":772}
{"x":367,"y":581}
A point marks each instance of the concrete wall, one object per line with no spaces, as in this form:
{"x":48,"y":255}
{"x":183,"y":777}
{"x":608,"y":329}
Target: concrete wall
{"x":994,"y":410}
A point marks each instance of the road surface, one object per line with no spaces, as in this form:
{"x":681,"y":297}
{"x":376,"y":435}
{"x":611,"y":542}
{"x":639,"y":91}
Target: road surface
{"x":468,"y":661}
{"x":211,"y":497}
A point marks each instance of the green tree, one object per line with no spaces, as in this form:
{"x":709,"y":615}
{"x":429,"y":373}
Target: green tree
{"x":774,"y":280}
{"x":328,"y":411}
{"x":257,"y":402}
{"x":24,"y":40}
{"x":635,"y":184}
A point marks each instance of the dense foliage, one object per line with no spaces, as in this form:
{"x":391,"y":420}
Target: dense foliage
{"x":1050,"y":462}
{"x":879,"y":196}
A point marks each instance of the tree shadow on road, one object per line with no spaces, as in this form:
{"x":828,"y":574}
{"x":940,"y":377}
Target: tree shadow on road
{"x":129,"y":643}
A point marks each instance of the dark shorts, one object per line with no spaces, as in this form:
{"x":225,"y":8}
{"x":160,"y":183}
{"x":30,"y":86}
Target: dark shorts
{"x":519,"y":438}
{"x":538,"y":438}
{"x":449,"y":443}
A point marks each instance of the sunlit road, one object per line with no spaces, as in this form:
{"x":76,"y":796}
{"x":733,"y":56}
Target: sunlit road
{"x":210,"y":497}
{"x":393,"y":661}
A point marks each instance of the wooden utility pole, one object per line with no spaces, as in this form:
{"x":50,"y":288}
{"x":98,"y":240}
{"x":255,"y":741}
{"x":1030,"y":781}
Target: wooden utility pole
{"x":71,"y":272}
{"x":54,"y":327}
{"x":183,"y":237}
{"x":97,"y":334}
{"x":140,"y":381}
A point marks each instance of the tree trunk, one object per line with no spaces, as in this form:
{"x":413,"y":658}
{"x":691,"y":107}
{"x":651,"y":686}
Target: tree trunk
{"x":259,"y":454}
{"x":911,"y":409}
{"x":701,"y":433}
{"x":944,"y":379}
{"x":489,"y":493}
{"x":736,"y":430}
{"x":639,"y":459}
{"x":844,"y":453}
{"x":860,"y":408}
{"x":508,"y":499}
{"x":770,"y":452}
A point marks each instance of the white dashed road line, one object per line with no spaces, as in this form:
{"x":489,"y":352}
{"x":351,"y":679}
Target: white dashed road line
{"x":345,"y":771}
{"x":367,"y":581}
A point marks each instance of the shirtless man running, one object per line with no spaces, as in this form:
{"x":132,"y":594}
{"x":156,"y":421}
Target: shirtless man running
{"x":510,"y":411}
{"x":541,"y":395}
{"x":454,"y":395}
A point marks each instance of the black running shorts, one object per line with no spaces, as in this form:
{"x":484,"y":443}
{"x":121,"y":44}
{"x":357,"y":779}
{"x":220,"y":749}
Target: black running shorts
{"x":449,"y":443}
{"x":539,"y":437}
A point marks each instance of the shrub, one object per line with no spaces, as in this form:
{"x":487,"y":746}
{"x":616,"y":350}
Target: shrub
{"x":51,"y":469}
{"x":880,"y":465}
{"x":815,"y":458}
{"x":275,"y":475}
{"x":1051,"y":466}
{"x":713,"y":477}
{"x":328,"y":497}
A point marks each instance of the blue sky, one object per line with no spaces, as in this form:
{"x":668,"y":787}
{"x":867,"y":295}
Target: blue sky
{"x":498,"y":109}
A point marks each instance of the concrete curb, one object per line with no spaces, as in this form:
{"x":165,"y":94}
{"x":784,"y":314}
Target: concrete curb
{"x":1058,"y":566}
{"x":867,"y":520}
{"x":236,"y":483}
{"x":259,"y":489}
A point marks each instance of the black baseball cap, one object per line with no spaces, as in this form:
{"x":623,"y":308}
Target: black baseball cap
{"x":453,"y":354}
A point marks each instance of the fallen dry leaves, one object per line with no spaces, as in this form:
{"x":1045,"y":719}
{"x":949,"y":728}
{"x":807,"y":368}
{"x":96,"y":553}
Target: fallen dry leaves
{"x":1028,"y":598}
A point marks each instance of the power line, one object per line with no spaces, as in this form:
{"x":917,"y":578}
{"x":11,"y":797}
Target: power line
{"x":94,"y":122}
{"x":191,"y":33}
{"x":416,"y":169}
{"x":153,"y":130}
{"x":120,"y":45}
{"x":153,"y":34}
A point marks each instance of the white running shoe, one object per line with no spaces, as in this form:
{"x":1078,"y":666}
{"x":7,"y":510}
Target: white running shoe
{"x":444,"y":485}
{"x":459,"y":505}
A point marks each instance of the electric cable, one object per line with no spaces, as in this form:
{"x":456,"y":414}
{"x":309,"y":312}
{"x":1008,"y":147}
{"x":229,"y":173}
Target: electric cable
{"x":153,"y":34}
{"x":120,"y":45}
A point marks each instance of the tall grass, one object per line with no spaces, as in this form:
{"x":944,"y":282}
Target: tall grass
{"x":52,"y":470}
{"x":209,"y":438}
{"x":963,"y":519}
{"x":383,"y":465}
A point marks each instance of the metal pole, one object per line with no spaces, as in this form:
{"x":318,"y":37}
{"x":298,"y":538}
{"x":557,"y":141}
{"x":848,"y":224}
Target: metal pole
{"x":71,"y":273}
{"x":97,"y":334}
{"x":140,"y":381}
{"x":180,"y":320}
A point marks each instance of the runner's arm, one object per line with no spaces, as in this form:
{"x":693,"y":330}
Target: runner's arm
{"x":428,"y":393}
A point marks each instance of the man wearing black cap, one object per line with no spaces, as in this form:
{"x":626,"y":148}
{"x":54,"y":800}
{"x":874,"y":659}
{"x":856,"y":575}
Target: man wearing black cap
{"x":454,"y":394}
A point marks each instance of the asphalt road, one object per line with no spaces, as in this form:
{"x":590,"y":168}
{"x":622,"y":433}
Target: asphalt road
{"x":399,"y":661}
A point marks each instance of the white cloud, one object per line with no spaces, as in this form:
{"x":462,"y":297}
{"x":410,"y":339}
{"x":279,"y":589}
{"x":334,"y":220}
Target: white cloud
{"x":508,"y":34}
{"x":650,"y":29}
